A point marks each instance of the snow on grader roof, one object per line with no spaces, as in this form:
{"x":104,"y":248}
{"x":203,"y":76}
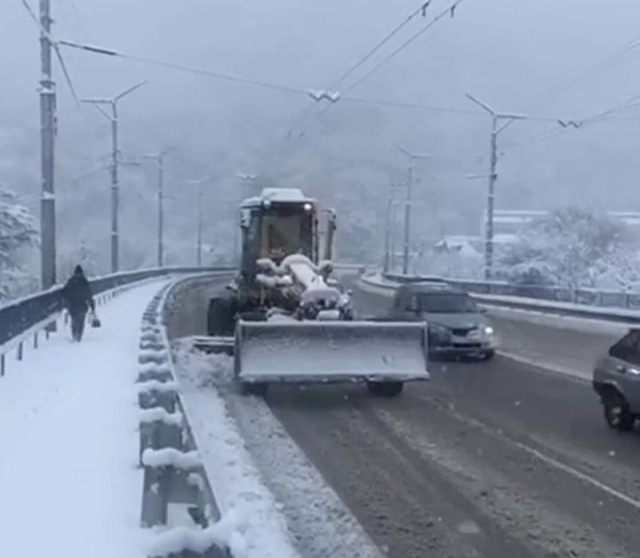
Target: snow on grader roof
{"x":279,"y":195}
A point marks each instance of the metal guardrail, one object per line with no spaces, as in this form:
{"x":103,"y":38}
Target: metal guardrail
{"x":19,"y":316}
{"x":27,"y":317}
{"x":605,"y":314}
{"x":173,"y":471}
{"x":587,"y":297}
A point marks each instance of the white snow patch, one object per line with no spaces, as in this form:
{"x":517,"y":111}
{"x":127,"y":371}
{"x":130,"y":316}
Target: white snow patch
{"x":153,"y":368}
{"x":169,"y":456}
{"x":158,"y":414}
{"x":153,"y":354}
{"x":588,"y":325}
{"x":323,"y":526}
{"x":195,"y":479}
{"x":156,"y":385}
{"x":73,"y":403}
{"x":275,"y":281}
{"x":549,"y":306}
{"x":226,"y":532}
{"x":234,"y":478}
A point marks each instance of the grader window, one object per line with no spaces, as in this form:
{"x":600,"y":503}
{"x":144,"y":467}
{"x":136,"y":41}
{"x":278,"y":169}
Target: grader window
{"x":287,"y":231}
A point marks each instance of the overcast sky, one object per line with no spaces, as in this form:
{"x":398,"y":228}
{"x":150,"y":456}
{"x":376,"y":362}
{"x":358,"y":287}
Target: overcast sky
{"x":548,"y":58}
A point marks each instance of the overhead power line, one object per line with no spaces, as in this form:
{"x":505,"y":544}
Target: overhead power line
{"x":420,"y":10}
{"x":183,"y":68}
{"x":622,"y":51}
{"x":450,"y":11}
{"x":612,"y":114}
{"x":56,"y":49}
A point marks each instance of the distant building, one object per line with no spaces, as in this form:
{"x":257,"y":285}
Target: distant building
{"x":463,"y":245}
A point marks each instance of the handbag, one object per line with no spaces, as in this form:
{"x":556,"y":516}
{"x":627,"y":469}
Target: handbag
{"x":95,"y":321}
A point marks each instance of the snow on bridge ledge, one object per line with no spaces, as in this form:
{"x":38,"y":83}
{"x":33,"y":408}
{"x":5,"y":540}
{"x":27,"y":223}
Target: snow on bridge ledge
{"x":69,"y":482}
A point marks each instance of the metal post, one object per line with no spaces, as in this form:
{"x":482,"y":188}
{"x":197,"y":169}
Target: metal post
{"x":488,"y":247}
{"x":115,"y":157}
{"x":160,"y":211}
{"x":407,"y":218}
{"x":493,"y":176}
{"x":199,"y":235}
{"x":394,"y":227}
{"x":387,"y":235}
{"x":407,"y":209}
{"x":115,"y":190}
{"x":47,"y":139}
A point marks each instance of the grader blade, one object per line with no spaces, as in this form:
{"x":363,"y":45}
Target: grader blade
{"x":329,"y":352}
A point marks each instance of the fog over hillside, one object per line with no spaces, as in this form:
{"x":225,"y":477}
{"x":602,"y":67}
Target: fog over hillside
{"x":549,"y":60}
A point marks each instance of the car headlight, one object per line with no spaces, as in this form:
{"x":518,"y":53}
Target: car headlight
{"x":438,"y":334}
{"x":438,"y":329}
{"x":488,"y":331}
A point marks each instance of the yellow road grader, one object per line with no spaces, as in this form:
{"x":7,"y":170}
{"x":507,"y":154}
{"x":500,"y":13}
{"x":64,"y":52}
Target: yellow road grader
{"x":284,"y":319}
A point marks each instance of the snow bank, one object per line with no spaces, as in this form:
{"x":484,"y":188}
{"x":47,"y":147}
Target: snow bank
{"x":244,"y":501}
{"x":155,"y":385}
{"x":158,"y":414}
{"x":255,"y":467}
{"x":166,"y":457}
{"x":154,"y":368}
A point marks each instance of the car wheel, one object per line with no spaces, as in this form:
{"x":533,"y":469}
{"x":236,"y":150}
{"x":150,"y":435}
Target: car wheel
{"x":257,"y":389}
{"x":220,"y":317}
{"x":488,"y":355}
{"x":617,"y":414}
{"x":385,"y":389}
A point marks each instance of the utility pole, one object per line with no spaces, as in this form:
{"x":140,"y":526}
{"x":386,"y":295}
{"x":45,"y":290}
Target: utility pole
{"x":389,"y":243}
{"x":115,"y":155}
{"x":47,"y":153}
{"x":507,"y":120}
{"x":199,"y":183}
{"x":159,"y":159}
{"x":407,"y":208}
{"x":199,"y":233}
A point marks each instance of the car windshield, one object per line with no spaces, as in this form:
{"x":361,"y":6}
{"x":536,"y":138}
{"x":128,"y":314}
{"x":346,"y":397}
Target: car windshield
{"x":445,"y":303}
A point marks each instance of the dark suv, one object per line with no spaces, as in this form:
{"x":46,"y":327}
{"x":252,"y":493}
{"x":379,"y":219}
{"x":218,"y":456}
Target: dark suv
{"x":616,"y":379}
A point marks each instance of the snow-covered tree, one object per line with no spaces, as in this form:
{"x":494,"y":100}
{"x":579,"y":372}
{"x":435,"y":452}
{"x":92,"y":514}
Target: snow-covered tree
{"x":18,"y":233}
{"x":564,"y":248}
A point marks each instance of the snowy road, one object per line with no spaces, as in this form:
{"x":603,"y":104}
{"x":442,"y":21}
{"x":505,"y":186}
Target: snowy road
{"x":69,"y":482}
{"x":490,"y":460}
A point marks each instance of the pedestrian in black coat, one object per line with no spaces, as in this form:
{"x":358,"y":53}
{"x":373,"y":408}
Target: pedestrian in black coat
{"x":78,"y":300}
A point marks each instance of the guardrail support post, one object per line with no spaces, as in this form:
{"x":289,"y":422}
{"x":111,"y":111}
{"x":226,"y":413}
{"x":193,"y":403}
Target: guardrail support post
{"x":2,"y":363}
{"x":20,"y":350}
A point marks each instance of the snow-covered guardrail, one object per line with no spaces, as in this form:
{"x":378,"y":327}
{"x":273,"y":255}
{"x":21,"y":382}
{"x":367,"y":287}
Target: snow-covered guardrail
{"x":168,"y":453}
{"x":485,"y":293}
{"x":24,"y":318}
{"x":606,"y":314}
{"x":582,"y":297}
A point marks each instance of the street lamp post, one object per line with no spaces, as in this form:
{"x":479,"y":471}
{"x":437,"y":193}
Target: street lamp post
{"x":159,"y":160}
{"x":496,"y":128}
{"x":407,"y":208}
{"x":199,"y":182}
{"x":389,"y":239}
{"x":115,"y":186}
